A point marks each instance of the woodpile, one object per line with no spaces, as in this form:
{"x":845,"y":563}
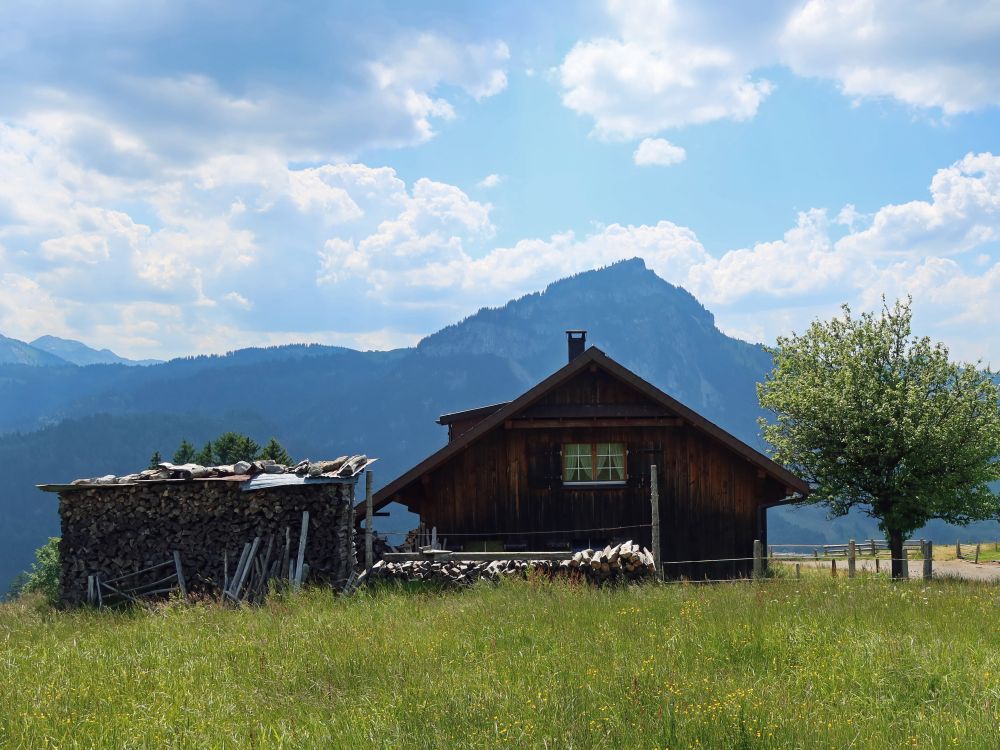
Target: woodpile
{"x":114,"y":529}
{"x":621,"y":563}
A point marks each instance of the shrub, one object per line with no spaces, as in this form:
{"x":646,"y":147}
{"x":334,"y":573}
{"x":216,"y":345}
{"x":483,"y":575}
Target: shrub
{"x":43,"y":577}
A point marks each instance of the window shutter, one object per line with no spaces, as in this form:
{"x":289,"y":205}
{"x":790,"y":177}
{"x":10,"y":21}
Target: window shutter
{"x":544,"y":466}
{"x":639,"y":460}
{"x":634,"y":457}
{"x":554,"y":472}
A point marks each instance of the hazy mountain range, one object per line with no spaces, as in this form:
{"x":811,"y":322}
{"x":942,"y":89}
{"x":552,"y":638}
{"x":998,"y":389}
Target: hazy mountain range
{"x":62,"y":417}
{"x":52,"y":350}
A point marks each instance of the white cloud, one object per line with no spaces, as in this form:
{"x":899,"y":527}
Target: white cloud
{"x":489,"y":181}
{"x":671,"y":63}
{"x":332,"y":92}
{"x":242,"y":245}
{"x":669,"y":66}
{"x":921,"y":52}
{"x":659,"y":152}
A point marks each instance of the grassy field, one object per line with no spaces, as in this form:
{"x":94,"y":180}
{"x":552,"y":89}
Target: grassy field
{"x":817,"y":663}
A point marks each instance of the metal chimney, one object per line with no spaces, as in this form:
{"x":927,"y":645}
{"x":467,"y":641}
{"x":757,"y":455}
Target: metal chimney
{"x":576,"y":340}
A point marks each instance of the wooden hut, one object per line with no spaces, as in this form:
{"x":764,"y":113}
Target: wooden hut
{"x":567,"y":465}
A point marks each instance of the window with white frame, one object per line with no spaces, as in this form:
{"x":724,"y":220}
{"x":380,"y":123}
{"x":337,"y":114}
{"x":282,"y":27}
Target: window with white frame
{"x":593,"y":462}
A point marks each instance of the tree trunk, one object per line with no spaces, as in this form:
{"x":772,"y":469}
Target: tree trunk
{"x":896,"y":552}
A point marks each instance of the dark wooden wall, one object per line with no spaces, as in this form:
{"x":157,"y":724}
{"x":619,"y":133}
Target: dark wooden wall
{"x":507,"y":486}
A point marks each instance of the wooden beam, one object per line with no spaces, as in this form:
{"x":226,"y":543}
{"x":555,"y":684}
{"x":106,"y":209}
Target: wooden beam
{"x":540,"y":424}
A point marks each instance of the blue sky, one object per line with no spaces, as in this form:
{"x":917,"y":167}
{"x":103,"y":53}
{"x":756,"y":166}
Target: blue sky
{"x":192,"y":177}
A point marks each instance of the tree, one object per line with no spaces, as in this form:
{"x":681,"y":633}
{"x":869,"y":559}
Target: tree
{"x":206,"y":456}
{"x":274,"y":451}
{"x":231,"y":447}
{"x":155,"y":460}
{"x":44,"y":574}
{"x":878,"y":419}
{"x":185,"y":453}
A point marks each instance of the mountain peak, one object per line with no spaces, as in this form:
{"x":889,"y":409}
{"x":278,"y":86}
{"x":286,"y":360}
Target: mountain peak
{"x":618,"y":301}
{"x":15,"y":351}
{"x":79,"y":353}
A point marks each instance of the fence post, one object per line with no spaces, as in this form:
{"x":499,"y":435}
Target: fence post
{"x":758,"y":558}
{"x":977,"y":553}
{"x":874,"y":548}
{"x":906,"y":563}
{"x":434,"y":537}
{"x":876,"y":566}
{"x":369,"y":514}
{"x":833,"y":567}
{"x":958,"y":550}
{"x":928,"y":560}
{"x":654,"y":502}
{"x":798,"y":571}
{"x":852,"y":553}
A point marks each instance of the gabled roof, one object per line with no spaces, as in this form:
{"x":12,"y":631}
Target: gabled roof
{"x":479,"y":411}
{"x":593,"y":355}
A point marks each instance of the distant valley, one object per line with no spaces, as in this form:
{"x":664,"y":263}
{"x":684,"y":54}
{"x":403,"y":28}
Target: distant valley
{"x":67,"y":410}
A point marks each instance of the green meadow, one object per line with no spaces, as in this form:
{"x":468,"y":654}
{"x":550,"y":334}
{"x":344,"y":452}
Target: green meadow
{"x":814,"y":663}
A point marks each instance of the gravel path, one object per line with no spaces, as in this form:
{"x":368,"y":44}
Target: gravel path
{"x":987,"y":571}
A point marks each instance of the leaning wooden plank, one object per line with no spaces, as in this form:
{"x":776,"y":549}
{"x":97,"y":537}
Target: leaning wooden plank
{"x":302,"y":548}
{"x":140,"y":572}
{"x":180,"y":575}
{"x":153,"y":584}
{"x":117,"y":592}
{"x":261,"y":584}
{"x":287,"y":558}
{"x":246,"y":568}
{"x":231,"y":591}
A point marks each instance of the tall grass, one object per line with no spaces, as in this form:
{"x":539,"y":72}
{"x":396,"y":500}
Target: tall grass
{"x":816,"y":663}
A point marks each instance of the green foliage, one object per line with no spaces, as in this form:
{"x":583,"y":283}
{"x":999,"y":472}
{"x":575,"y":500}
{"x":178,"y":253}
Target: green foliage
{"x":43,"y":578}
{"x":206,"y":456}
{"x":815,"y":663}
{"x":274,"y":451}
{"x":155,"y":460}
{"x":876,"y":418}
{"x":185,"y":453}
{"x":229,"y":448}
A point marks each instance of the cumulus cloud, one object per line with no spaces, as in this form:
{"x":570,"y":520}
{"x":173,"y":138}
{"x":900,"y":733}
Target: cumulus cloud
{"x":172,"y":96}
{"x":659,"y":152}
{"x":671,"y":63}
{"x":489,"y":181}
{"x":923,"y":53}
{"x":668,"y":66}
{"x":240,"y":248}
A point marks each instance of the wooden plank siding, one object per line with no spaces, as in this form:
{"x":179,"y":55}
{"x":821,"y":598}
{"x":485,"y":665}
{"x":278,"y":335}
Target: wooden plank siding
{"x":506,"y":485}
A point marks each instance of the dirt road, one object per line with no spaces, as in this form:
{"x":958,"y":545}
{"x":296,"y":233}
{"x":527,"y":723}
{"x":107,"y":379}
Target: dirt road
{"x":988,"y":571}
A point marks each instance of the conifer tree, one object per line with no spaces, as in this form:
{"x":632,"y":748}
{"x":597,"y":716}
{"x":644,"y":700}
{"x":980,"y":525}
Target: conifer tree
{"x":185,"y":454}
{"x":274,"y":451}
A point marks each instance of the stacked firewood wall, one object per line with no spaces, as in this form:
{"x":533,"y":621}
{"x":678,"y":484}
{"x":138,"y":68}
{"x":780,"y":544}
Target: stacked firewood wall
{"x":113,"y":530}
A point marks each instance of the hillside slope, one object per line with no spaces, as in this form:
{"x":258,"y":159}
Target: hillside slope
{"x":80,"y":354}
{"x":16,"y":352}
{"x":65,"y":422}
